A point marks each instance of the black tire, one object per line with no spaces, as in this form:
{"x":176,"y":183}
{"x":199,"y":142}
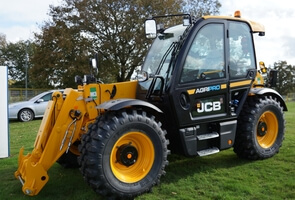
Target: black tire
{"x":123,"y":154}
{"x":261,"y":128}
{"x":25,"y":115}
{"x":68,"y":160}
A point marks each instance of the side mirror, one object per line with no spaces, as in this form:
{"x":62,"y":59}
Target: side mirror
{"x":142,"y":76}
{"x":40,"y":100}
{"x":150,"y":29}
{"x":273,"y":76}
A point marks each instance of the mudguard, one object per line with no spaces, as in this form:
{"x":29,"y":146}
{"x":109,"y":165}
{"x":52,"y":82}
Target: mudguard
{"x":271,"y":92}
{"x":123,"y":103}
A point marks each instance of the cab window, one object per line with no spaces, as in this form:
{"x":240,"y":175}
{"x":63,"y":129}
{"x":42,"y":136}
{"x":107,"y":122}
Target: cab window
{"x":205,"y":59}
{"x":241,"y":54}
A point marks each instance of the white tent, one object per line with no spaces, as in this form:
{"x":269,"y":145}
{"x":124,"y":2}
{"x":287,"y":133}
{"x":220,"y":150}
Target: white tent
{"x":4,"y":135}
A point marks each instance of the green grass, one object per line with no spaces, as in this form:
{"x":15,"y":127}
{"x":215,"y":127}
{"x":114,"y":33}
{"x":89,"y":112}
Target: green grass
{"x":220,"y":176}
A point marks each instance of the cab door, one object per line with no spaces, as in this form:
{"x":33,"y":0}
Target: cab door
{"x":242,"y":63}
{"x":202,"y":92}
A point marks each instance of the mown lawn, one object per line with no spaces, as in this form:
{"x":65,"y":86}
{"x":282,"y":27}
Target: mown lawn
{"x":220,"y":176}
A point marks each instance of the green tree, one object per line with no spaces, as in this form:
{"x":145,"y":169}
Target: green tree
{"x":286,"y":77}
{"x":16,"y":57}
{"x":79,"y":28}
{"x":3,"y":44}
{"x":60,"y":53}
{"x":201,"y":7}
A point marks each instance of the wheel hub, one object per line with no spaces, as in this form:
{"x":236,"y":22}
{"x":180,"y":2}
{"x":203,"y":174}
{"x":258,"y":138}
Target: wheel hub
{"x":127,"y":155}
{"x":262,"y":129}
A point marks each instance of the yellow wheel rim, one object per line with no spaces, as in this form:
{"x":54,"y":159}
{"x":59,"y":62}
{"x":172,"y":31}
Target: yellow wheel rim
{"x":132,"y":157}
{"x":267,"y":129}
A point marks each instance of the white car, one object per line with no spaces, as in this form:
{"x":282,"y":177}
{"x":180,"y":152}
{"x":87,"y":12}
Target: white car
{"x":28,"y":110}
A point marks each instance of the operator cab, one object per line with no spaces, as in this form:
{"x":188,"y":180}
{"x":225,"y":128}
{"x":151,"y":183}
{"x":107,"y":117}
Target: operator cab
{"x":200,"y":76}
{"x":211,"y":58}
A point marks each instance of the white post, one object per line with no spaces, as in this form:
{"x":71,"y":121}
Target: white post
{"x":4,"y":131}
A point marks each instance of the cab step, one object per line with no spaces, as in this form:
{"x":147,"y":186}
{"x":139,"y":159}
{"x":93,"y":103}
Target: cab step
{"x":207,"y":152}
{"x":208,"y":136}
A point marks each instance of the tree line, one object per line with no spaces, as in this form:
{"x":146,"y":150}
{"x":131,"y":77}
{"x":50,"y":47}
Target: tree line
{"x":77,"y":29}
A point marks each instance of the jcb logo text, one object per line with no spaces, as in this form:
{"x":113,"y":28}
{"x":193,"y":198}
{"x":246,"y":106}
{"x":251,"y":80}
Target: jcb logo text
{"x":209,"y":107}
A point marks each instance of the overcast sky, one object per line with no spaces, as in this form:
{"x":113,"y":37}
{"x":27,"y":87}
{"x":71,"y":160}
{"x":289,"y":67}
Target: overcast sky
{"x":19,"y":19}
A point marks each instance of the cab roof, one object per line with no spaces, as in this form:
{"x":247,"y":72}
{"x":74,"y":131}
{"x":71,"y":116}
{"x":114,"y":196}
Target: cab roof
{"x":256,"y":27}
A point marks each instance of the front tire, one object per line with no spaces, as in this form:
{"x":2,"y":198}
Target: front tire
{"x":261,"y":128}
{"x":70,"y":159}
{"x":123,"y":154}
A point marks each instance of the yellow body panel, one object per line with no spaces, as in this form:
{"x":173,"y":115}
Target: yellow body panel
{"x":259,"y":80}
{"x":239,"y":83}
{"x":123,"y":90}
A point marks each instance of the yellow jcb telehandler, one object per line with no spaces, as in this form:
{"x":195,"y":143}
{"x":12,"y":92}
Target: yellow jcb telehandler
{"x":200,"y":90}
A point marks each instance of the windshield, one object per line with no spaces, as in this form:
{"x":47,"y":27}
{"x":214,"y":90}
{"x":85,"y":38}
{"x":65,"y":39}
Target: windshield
{"x":162,"y":45}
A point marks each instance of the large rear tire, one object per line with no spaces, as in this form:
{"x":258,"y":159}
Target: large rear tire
{"x":261,"y":128}
{"x":123,"y":154}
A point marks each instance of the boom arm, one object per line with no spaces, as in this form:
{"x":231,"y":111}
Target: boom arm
{"x":66,"y":118}
{"x":60,"y":127}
